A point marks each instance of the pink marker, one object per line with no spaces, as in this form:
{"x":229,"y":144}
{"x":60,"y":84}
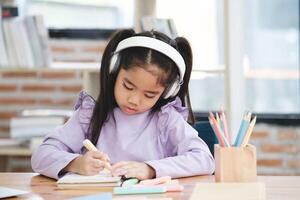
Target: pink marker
{"x":174,"y":188}
{"x":156,"y":181}
{"x":168,"y":187}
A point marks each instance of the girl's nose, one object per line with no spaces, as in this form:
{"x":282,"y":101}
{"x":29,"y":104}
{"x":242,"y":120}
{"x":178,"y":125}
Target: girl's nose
{"x":133,"y":100}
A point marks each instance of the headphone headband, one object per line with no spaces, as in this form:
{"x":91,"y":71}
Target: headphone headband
{"x":155,"y":44}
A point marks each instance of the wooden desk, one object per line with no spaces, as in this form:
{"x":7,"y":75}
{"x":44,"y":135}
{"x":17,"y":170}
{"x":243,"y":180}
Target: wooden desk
{"x":278,"y":187}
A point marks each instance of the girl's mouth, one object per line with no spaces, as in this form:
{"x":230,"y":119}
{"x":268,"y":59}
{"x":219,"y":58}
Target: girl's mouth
{"x":129,"y":110}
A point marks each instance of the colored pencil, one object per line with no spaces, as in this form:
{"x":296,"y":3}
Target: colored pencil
{"x":216,"y":128}
{"x":224,"y":121}
{"x":249,"y":132}
{"x":242,"y":130}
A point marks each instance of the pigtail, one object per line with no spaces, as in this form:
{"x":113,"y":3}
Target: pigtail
{"x":185,"y":50}
{"x":106,"y":102}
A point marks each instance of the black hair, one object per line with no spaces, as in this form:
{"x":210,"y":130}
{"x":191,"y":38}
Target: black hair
{"x":142,"y":57}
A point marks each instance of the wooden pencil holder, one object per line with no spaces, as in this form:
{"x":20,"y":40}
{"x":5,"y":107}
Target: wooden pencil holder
{"x":235,"y":164}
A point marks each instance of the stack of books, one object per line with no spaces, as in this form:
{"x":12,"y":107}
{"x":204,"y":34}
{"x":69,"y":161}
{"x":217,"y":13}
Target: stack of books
{"x":33,"y":125}
{"x":28,"y":127}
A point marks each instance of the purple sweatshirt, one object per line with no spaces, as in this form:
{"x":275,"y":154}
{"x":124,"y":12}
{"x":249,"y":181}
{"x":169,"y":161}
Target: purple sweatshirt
{"x":163,"y":140}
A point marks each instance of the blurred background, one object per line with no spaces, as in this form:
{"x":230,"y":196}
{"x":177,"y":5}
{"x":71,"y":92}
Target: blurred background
{"x":246,"y":58}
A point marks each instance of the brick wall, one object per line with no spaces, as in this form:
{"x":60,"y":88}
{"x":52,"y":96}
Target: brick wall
{"x":64,"y":50}
{"x":36,"y":89}
{"x":278,"y":149}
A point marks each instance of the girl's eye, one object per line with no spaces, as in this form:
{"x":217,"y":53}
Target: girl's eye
{"x":126,"y":86}
{"x":149,"y":96}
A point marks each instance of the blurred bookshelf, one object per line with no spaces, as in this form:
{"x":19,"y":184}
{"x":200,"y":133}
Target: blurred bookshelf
{"x":23,"y":40}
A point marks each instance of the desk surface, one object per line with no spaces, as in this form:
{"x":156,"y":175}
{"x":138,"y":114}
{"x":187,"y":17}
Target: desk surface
{"x":277,"y":187}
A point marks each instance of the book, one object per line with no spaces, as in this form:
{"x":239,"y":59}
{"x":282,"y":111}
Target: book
{"x":103,"y":179}
{"x":9,"y":42}
{"x":87,"y":186}
{"x":43,"y":34}
{"x":34,"y":41}
{"x":47,"y":112}
{"x":22,"y":43}
{"x":34,"y":126}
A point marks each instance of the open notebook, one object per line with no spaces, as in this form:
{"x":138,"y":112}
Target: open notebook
{"x":103,"y":179}
{"x":10,"y":192}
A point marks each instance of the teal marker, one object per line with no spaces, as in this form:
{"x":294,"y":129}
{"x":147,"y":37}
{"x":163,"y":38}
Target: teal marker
{"x":129,"y":182}
{"x":139,"y":190}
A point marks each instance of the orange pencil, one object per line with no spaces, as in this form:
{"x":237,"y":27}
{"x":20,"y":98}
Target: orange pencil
{"x":249,"y":132}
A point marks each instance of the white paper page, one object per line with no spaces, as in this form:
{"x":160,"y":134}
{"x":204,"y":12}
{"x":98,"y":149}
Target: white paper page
{"x":10,"y":192}
{"x":102,"y":177}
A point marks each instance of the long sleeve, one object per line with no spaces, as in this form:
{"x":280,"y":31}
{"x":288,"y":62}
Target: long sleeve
{"x":64,"y":144}
{"x":186,"y":154}
{"x":59,"y":148}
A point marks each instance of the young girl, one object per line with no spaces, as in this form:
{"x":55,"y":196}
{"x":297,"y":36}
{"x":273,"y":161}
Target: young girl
{"x":139,"y":120}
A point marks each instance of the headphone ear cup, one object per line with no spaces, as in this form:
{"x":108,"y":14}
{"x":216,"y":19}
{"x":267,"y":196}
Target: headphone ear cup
{"x":172,"y":90}
{"x":176,"y":90}
{"x":114,"y":63}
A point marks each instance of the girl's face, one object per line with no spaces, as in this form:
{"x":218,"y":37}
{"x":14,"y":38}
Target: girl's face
{"x":137,"y":90}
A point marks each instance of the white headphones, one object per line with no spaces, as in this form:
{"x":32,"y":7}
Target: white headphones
{"x":158,"y":45}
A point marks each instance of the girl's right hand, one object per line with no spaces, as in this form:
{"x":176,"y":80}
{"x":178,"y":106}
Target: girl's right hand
{"x":91,"y":163}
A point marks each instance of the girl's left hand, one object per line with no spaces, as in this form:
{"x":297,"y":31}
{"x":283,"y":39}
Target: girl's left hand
{"x":138,"y":170}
